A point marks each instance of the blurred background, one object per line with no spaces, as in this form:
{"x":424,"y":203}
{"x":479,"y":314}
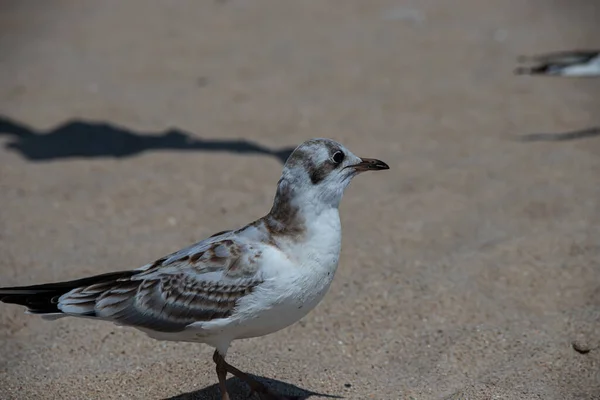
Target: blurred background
{"x":471,"y":270}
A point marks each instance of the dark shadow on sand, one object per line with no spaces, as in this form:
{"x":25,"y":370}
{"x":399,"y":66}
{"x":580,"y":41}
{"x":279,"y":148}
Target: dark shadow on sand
{"x":562,"y":136}
{"x":239,"y":390}
{"x":88,"y":139}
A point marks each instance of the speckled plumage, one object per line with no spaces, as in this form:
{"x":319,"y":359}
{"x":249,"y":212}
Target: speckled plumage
{"x":235,"y":284}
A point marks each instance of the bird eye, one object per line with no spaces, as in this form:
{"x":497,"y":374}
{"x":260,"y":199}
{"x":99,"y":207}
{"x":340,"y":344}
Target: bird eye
{"x":338,"y":157}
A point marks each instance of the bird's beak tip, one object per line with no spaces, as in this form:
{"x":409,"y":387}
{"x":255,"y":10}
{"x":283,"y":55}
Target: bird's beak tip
{"x":371,"y":164}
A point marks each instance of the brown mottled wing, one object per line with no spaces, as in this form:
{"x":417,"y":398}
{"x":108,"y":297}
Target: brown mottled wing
{"x":201,"y":283}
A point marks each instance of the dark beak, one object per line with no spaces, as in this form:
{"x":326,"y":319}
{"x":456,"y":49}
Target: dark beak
{"x":370,"y":164}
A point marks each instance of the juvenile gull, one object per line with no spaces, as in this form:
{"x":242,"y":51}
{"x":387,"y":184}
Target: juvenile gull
{"x":576,"y":63}
{"x":236,"y":284}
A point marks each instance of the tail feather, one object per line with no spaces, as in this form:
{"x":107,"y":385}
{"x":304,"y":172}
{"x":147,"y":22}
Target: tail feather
{"x":43,"y":299}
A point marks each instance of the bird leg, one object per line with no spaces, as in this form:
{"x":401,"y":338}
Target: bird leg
{"x":261,"y":390}
{"x":222,"y":374}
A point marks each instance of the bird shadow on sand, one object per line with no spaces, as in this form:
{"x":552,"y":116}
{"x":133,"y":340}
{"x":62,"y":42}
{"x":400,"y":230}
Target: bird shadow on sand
{"x":89,"y":139}
{"x":561,"y":136}
{"x":239,"y":390}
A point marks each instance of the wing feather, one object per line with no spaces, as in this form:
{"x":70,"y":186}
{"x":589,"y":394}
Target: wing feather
{"x":201,"y":283}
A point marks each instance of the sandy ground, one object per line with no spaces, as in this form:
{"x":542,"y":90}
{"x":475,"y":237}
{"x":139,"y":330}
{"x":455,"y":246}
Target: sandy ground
{"x":130,"y":129}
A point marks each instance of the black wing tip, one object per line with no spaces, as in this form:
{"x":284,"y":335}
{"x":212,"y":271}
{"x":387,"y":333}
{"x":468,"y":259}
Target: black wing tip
{"x":9,"y":291}
{"x":67,"y":285}
{"x":43,"y":299}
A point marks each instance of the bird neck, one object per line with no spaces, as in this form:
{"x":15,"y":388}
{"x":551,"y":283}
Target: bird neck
{"x":296,"y":209}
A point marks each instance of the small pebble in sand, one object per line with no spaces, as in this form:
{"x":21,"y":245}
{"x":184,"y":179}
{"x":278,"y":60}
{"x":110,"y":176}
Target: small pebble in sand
{"x":581,"y":347}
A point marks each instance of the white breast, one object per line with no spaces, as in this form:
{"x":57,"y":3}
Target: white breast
{"x":297,"y":276}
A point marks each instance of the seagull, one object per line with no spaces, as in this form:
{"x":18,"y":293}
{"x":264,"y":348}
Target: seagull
{"x":577,"y":63}
{"x":236,"y":284}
